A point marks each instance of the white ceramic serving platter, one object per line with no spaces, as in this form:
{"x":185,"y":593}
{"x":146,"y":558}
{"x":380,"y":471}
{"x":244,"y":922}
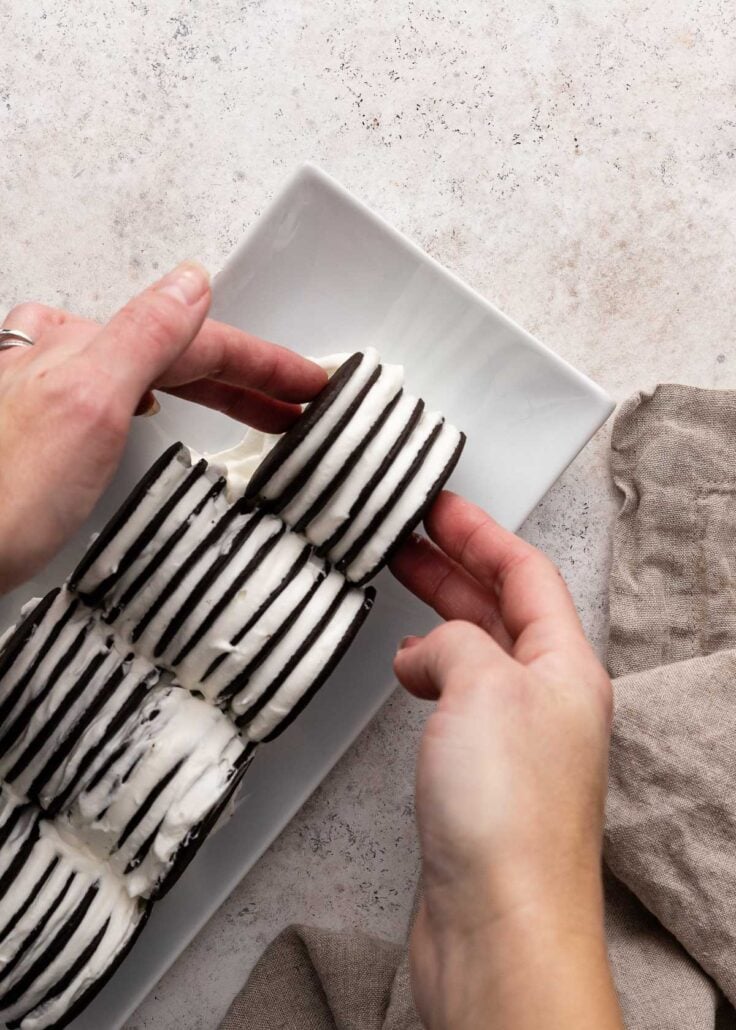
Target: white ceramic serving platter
{"x":321,"y":273}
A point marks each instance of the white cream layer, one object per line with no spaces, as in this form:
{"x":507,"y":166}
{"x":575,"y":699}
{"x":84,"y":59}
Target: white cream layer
{"x":40,"y":713}
{"x":146,"y":643}
{"x":197,"y":528}
{"x":24,"y":659}
{"x":266,"y":529}
{"x":111,"y":906}
{"x":238,"y":463}
{"x":309,"y":617}
{"x":407,"y":505}
{"x":239,"y":655}
{"x":136,"y":672}
{"x":249,"y":598}
{"x":187,"y":731}
{"x":295,"y":461}
{"x":329,"y":520}
{"x":384,"y":489}
{"x":308,"y":669}
{"x":380,"y":394}
{"x":37,"y":713}
{"x":108,"y":561}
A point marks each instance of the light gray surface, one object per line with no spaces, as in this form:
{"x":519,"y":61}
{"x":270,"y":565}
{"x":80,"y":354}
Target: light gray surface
{"x":572,"y":161}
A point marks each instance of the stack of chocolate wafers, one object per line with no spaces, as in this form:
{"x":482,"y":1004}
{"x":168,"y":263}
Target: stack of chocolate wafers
{"x":196,"y":626}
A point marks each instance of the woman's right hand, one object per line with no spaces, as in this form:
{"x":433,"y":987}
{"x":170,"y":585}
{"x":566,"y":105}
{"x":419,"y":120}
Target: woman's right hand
{"x":511,"y":784}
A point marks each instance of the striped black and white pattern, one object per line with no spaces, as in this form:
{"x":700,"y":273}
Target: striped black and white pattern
{"x":66,"y":920}
{"x":356,"y":475}
{"x":194,"y":628}
{"x":225,"y":596}
{"x":129,"y":764}
{"x":64,"y":695}
{"x":161,"y":777}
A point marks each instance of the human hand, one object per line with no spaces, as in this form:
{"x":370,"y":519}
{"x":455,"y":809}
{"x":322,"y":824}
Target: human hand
{"x":511,"y":783}
{"x":66,"y":403}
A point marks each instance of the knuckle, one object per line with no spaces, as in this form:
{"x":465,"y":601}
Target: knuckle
{"x":441,"y":635}
{"x":271,"y":372}
{"x":552,"y":567}
{"x":451,"y":632}
{"x":490,"y":620}
{"x":533,"y":559}
{"x":152,"y":316}
{"x":87,"y":398}
{"x":27,"y":314}
{"x":93,"y":406}
{"x":522,"y":554}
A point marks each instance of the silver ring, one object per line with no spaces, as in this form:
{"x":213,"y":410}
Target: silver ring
{"x":14,"y":338}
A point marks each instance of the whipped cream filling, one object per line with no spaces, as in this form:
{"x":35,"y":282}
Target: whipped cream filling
{"x":177,"y":555}
{"x":114,"y":715}
{"x":252,"y":595}
{"x":383,"y":390}
{"x":147,"y":641}
{"x":46,"y":683}
{"x":310,"y":616}
{"x":384,"y":489}
{"x":181,"y":518}
{"x":319,"y":433}
{"x":54,"y":884}
{"x":333,"y":515}
{"x":403,"y":511}
{"x":307,"y":670}
{"x":267,"y":530}
{"x":149,"y":763}
{"x":258,"y":637}
{"x":238,"y":463}
{"x":177,"y":761}
{"x":109,"y":560}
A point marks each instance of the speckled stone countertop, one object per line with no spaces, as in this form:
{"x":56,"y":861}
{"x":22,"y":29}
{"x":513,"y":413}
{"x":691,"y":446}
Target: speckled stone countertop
{"x":573,"y":161}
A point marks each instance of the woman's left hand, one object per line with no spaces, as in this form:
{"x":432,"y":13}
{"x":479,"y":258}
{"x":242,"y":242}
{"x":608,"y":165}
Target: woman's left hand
{"x":66,"y":403}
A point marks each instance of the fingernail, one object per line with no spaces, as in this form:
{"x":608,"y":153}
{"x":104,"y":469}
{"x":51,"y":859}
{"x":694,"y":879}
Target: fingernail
{"x":148,"y":406}
{"x":187,"y":283}
{"x":408,"y":642}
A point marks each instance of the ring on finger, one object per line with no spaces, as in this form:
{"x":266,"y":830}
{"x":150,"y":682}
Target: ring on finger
{"x":14,"y":338}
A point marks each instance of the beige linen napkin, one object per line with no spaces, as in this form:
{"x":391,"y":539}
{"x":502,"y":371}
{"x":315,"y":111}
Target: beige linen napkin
{"x":671,"y":816}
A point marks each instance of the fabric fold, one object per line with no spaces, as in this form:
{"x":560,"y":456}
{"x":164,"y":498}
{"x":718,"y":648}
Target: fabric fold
{"x":671,"y":812}
{"x":320,"y":980}
{"x":671,"y":809}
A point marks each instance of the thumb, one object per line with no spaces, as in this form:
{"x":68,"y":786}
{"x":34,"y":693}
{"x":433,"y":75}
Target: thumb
{"x":425,"y":665}
{"x":153,"y":329}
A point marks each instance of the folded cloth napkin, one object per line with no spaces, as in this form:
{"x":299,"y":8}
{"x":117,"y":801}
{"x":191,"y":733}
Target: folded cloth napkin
{"x":670,"y":843}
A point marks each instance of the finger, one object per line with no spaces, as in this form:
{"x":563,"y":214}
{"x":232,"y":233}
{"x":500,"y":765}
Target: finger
{"x":456,"y":648}
{"x":145,"y":337}
{"x":36,"y":319}
{"x":535,"y":604}
{"x":232,"y":356}
{"x":256,"y":409}
{"x":445,"y":586}
{"x":219,"y":352}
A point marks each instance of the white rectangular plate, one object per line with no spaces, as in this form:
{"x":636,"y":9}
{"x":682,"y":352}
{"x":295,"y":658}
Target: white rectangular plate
{"x":321,"y":273}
